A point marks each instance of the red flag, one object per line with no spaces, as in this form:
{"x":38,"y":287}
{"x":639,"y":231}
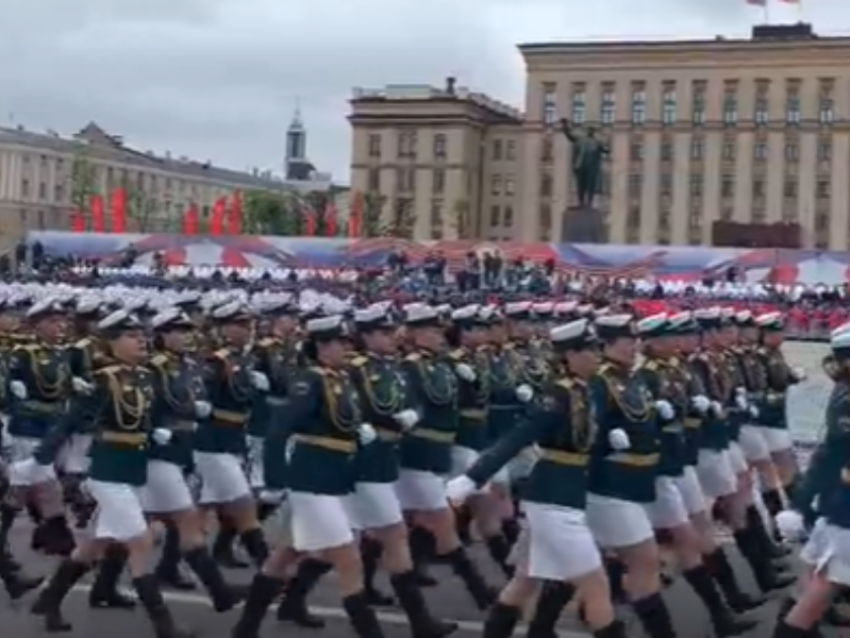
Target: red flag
{"x":78,"y":222}
{"x":309,"y":219}
{"x":98,"y":221}
{"x":330,"y":219}
{"x":118,"y":204}
{"x":190,"y":221}
{"x":218,"y":214}
{"x":355,"y":215}
{"x":234,"y":217}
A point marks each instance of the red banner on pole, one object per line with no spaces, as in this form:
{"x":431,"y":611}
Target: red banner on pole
{"x":234,"y":217}
{"x":98,"y":219}
{"x":218,"y":214}
{"x":119,"y":210}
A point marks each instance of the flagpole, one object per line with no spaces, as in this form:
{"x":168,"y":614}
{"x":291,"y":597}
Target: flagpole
{"x":767,"y":11}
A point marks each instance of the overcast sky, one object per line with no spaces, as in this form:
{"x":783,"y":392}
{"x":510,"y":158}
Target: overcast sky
{"x":219,"y":79}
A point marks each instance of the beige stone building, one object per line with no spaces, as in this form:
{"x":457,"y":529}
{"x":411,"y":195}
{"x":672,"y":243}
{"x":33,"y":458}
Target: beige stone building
{"x":40,"y":177}
{"x":751,"y":130}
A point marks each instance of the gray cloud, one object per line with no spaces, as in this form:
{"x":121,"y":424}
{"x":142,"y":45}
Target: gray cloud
{"x":219,"y":79}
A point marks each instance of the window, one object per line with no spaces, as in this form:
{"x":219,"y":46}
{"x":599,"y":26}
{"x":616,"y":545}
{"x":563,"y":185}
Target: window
{"x":822,"y":189}
{"x":758,"y":188}
{"x":440,"y":146}
{"x":407,"y":144}
{"x":546,"y":184}
{"x":510,"y":150}
{"x":729,"y":150}
{"x":636,"y":151}
{"x":695,"y":185}
{"x":545,"y":221}
{"x":638,"y":104}
{"x":760,"y":151}
{"x":550,"y":102}
{"x":495,"y":215}
{"x":510,"y":187}
{"x":508,"y":218}
{"x":666,"y":184}
{"x":825,"y":150}
{"x":666,"y":151}
{"x":698,"y":89}
{"x":727,"y":186}
{"x":374,"y":145}
{"x":437,"y":216}
{"x":730,"y":103}
{"x":374,"y":180}
{"x":697,"y":148}
{"x":635,"y":185}
{"x":405,"y":179}
{"x":726,"y":214}
{"x":789,"y":188}
{"x":633,"y":218}
{"x":792,"y":102}
{"x":59,"y":193}
{"x":761,"y":114}
{"x":578,"y":106}
{"x":438,"y":181}
{"x":826,"y":103}
{"x":792,"y":152}
{"x":669,"y":105}
{"x":42,"y":190}
{"x":547,"y":150}
{"x":497,"y":150}
{"x":608,"y":110}
{"x":496,"y":185}
{"x":25,"y":188}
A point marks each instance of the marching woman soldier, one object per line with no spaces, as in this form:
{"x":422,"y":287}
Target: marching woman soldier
{"x":179,"y":401}
{"x":231,"y":384}
{"x":669,"y":513}
{"x":321,"y":435}
{"x":374,"y":508}
{"x":426,"y":449}
{"x":120,"y":401}
{"x":623,"y":468}
{"x":557,"y":546}
{"x":827,"y":479}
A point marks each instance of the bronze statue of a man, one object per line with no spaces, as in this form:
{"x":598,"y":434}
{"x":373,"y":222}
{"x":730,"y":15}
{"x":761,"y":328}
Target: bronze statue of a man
{"x":588,"y":153}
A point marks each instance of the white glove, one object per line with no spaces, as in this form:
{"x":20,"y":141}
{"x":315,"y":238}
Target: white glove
{"x":701,"y":403}
{"x":161,"y":436}
{"x":18,"y":389}
{"x":260,"y":381}
{"x":798,"y":373}
{"x":525,"y":393}
{"x":790,"y":525}
{"x":366,"y":433}
{"x":81,"y":386}
{"x":459,"y":489}
{"x":203,"y":409}
{"x":716,"y":409}
{"x":741,"y":401}
{"x":665,"y":410}
{"x":406,"y":418}
{"x":465,"y":372}
{"x":619,"y":440}
{"x":754,"y":412}
{"x":272,"y":497}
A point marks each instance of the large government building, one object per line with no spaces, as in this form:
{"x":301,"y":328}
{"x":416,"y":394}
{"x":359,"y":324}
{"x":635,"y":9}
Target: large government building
{"x":43,"y":176}
{"x":701,"y":133}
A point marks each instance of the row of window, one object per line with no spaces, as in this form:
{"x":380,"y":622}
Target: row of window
{"x":407,"y":147}
{"x":729,"y":150}
{"x":671,"y":108}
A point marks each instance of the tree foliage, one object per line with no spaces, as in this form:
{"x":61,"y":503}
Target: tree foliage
{"x":403,"y":220}
{"x":83,"y":181}
{"x":371,"y":224}
{"x":142,"y":208}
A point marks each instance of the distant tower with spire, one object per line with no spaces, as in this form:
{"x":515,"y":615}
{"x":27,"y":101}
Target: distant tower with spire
{"x":298,"y":167}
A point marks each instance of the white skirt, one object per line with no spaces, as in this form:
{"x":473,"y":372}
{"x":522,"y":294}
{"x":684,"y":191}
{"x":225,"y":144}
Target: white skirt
{"x":753,"y":443}
{"x":834,"y":560}
{"x":166,"y":490}
{"x":256,"y":468}
{"x":715,"y":473}
{"x":372,"y":506}
{"x":560,"y":545}
{"x":617,"y":523}
{"x":778,"y":440}
{"x":23,"y":470}
{"x":817,"y":547}
{"x":222,"y":478}
{"x":318,"y":521}
{"x":119,"y":514}
{"x":74,"y":455}
{"x":692,"y":495}
{"x":668,"y":510}
{"x":736,"y":459}
{"x":421,"y":491}
{"x":464,"y":458}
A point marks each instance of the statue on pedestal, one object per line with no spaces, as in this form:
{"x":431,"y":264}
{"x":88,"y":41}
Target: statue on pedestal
{"x":588,"y":153}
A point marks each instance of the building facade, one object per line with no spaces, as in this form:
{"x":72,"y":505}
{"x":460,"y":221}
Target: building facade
{"x":754,"y":131}
{"x":41,"y":174}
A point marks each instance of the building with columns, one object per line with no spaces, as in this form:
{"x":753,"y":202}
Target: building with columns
{"x":754,"y":131}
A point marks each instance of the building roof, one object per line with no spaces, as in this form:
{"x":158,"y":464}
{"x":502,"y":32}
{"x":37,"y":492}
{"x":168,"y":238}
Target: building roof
{"x":114,"y":149}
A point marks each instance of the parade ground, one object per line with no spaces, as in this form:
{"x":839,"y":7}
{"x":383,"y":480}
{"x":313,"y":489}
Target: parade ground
{"x":449,"y":599}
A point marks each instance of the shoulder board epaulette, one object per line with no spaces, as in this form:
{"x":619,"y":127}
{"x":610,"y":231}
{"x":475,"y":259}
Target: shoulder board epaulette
{"x":26,"y":347}
{"x":359,"y":360}
{"x":221,"y":353}
{"x":567,"y":384}
{"x":604,"y":368}
{"x":413,"y":356}
{"x":456,"y":354}
{"x":651,"y":364}
{"x":83,"y":343}
{"x":266,"y":342}
{"x":108,"y":370}
{"x":159,"y":359}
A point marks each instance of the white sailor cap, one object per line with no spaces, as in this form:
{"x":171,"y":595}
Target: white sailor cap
{"x":708,"y":318}
{"x":374,"y":317}
{"x":542,"y":309}
{"x":657,"y":325}
{"x":489,"y":315}
{"x":232,"y":311}
{"x":421,"y":314}
{"x":518,"y":310}
{"x":615,"y":326}
{"x":575,"y":335}
{"x":839,"y":340}
{"x":171,"y":318}
{"x":327,"y":328}
{"x":727,"y":315}
{"x":119,"y":321}
{"x":564,"y":308}
{"x":88,"y":305}
{"x":745,"y":318}
{"x":683,"y":322}
{"x":770,"y":321}
{"x":45,"y":307}
{"x":467,"y":316}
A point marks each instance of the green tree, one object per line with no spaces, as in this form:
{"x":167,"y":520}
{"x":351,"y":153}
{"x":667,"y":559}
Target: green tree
{"x":318,"y":202}
{"x":463,"y":219}
{"x":82,"y":182}
{"x":371,"y":224}
{"x":266,"y":212}
{"x":403,"y":219}
{"x":142,"y":208}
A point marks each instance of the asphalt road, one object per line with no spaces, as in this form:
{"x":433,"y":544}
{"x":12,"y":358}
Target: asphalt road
{"x":806,"y":405}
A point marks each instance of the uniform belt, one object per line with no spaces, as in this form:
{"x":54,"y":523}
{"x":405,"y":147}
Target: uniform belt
{"x":635,"y":460}
{"x":672,"y":428}
{"x":476,"y":414}
{"x":326,"y":442}
{"x":500,"y":408}
{"x":774,"y":397}
{"x":385,"y":434}
{"x":182,"y":426}
{"x":230,"y":417}
{"x":437,"y":436}
{"x":560,"y":457}
{"x":48,"y":407}
{"x":124,"y":438}
{"x":692,"y":423}
{"x":276,"y":401}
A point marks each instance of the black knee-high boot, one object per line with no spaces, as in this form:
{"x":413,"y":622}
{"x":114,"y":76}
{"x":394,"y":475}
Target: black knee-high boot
{"x":254,"y":542}
{"x":293,"y":607}
{"x":147,"y":588}
{"x":422,"y":551}
{"x":724,"y":624}
{"x":654,"y":616}
{"x":723,"y":574}
{"x":784,"y":630}
{"x":168,"y":570}
{"x":463,"y":522}
{"x":362,"y":617}
{"x":758,"y":557}
{"x":15,"y":583}
{"x":261,"y":594}
{"x":500,"y":551}
{"x":223,"y":550}
{"x":615,"y":570}
{"x":615,"y":630}
{"x":49,"y":601}
{"x":501,"y":621}
{"x":370,"y":554}
{"x":104,"y":593}
{"x":410,"y":598}
{"x":554,"y":597}
{"x":482,"y":593}
{"x":224,"y":597}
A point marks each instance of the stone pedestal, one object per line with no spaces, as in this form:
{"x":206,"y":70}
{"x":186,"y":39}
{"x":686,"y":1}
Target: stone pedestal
{"x":583,"y":225}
